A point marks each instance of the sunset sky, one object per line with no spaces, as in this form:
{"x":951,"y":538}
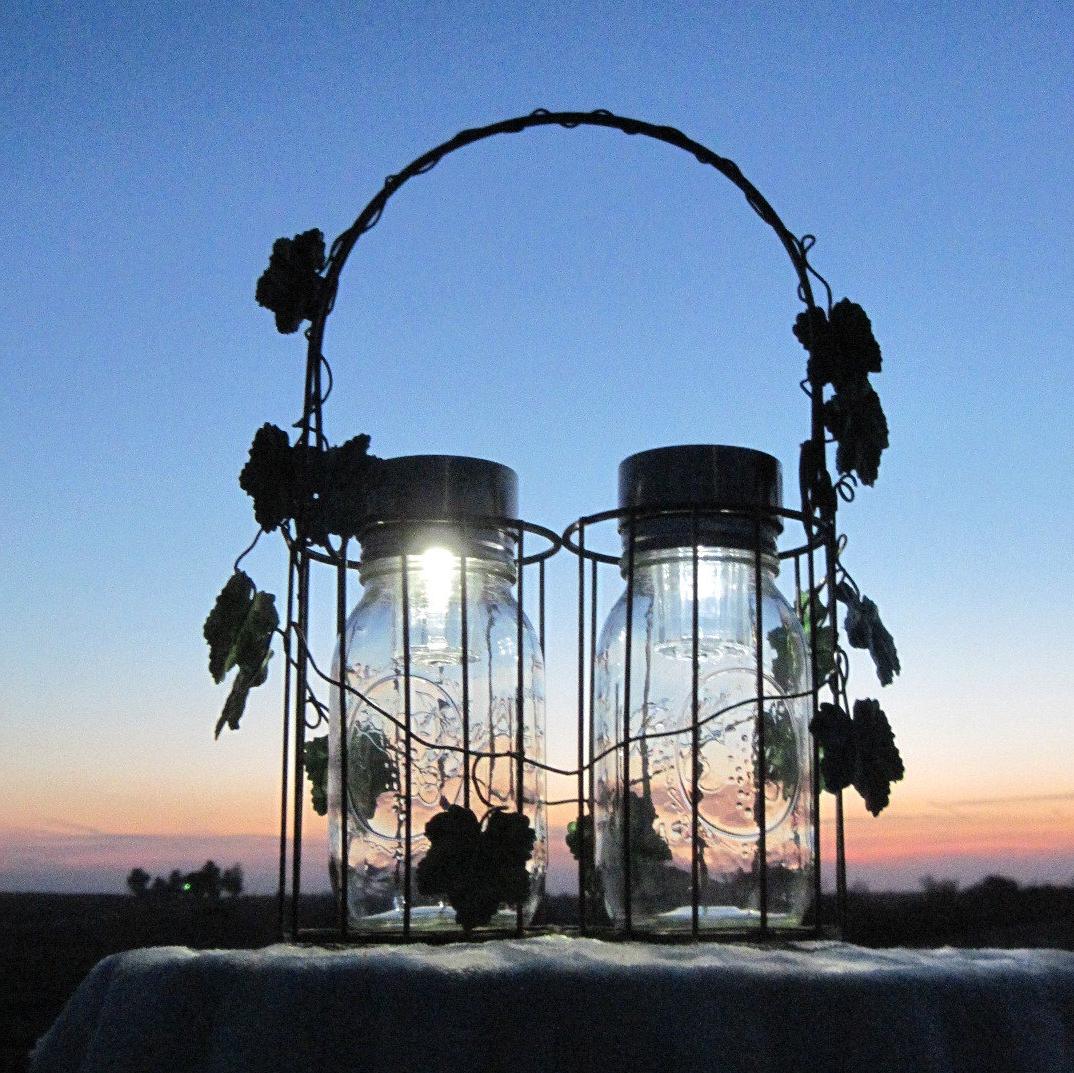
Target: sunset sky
{"x":554,"y":301}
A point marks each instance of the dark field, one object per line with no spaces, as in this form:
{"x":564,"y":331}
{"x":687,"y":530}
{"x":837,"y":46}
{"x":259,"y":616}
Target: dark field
{"x":50,"y":941}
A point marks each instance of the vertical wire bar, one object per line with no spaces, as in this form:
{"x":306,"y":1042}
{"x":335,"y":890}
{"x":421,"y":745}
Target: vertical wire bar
{"x":281,"y":905}
{"x":840,"y":835}
{"x":300,"y":729}
{"x":540,"y":605}
{"x":840,"y":866}
{"x":464,"y":626}
{"x":592,"y":701}
{"x":520,"y":706}
{"x":344,"y":784}
{"x":582,"y":863}
{"x":628,"y":916}
{"x":761,"y":767}
{"x":815,"y":700}
{"x":408,"y":766}
{"x":830,"y":556}
{"x":695,"y":737}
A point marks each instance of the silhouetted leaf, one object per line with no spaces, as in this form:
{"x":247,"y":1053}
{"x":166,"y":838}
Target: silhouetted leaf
{"x":580,"y":839}
{"x":812,"y":330}
{"x":250,"y":649}
{"x":856,"y":419}
{"x":864,"y":629}
{"x":856,"y":352}
{"x":224,"y":622}
{"x":291,"y":285}
{"x":235,"y":704}
{"x":315,"y":761}
{"x":878,"y":761}
{"x":323,"y":490}
{"x":834,"y":731}
{"x":342,"y":483}
{"x":818,"y":630}
{"x":252,"y":644}
{"x":476,"y":869}
{"x":371,"y":771}
{"x":269,"y":477}
{"x":843,"y":352}
{"x":842,"y":348}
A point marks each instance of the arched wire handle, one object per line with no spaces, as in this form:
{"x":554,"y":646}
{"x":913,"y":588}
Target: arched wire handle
{"x":797,"y":249}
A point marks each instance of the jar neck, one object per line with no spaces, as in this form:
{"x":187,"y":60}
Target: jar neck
{"x":682,"y":557}
{"x":436,"y":566}
{"x":710,"y":612}
{"x":485,"y":548}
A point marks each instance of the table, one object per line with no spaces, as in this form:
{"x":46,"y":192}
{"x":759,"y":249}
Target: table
{"x":558,"y":1003}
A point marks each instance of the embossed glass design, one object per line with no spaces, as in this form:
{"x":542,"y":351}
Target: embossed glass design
{"x":376,"y":799}
{"x":659,"y":811}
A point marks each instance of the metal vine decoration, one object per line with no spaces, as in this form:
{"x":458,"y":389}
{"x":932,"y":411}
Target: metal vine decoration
{"x":321,"y":495}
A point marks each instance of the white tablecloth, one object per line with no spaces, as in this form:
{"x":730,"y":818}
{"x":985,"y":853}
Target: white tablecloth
{"x":555,"y":1003}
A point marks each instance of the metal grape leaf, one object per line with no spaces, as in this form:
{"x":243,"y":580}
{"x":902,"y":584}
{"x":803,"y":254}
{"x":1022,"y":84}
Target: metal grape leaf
{"x":854,"y":416}
{"x":786,"y":663}
{"x":476,"y":869}
{"x":842,"y":348}
{"x":818,"y":631}
{"x":249,"y":649}
{"x":342,"y":482}
{"x":834,"y":731}
{"x":579,"y":838}
{"x":235,"y":704}
{"x":843,"y":352}
{"x":855,"y":351}
{"x":315,"y":761}
{"x":370,"y":771}
{"x":646,"y":844}
{"x":291,"y":285}
{"x":224,"y":622}
{"x":864,"y":629}
{"x":268,"y":477}
{"x":878,"y":763}
{"x":780,"y":751}
{"x":324,"y":491}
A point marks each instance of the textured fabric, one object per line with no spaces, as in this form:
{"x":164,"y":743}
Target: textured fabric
{"x":555,"y":1003}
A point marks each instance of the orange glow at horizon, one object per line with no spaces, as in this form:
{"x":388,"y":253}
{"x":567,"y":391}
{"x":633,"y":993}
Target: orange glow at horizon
{"x":1022,"y":836}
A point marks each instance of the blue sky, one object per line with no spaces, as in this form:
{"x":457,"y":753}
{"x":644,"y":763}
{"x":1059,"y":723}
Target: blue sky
{"x":556,"y":301}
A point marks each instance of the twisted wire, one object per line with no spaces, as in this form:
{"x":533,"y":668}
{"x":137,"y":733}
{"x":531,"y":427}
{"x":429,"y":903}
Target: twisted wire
{"x":481,"y":755}
{"x":797,"y":248}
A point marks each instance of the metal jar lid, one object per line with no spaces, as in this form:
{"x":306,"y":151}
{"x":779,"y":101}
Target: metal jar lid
{"x":702,"y":478}
{"x":441,"y":495}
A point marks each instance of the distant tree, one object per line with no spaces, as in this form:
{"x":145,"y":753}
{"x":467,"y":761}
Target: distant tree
{"x":211,"y":879}
{"x":1000,"y":887}
{"x":231,"y":880}
{"x":138,"y":882}
{"x":175,"y":881}
{"x":159,"y":887}
{"x":939,"y":888}
{"x":204,"y":883}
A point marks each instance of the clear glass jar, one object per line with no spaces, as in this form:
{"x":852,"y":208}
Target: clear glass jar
{"x":441,"y":730}
{"x":660,"y":756}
